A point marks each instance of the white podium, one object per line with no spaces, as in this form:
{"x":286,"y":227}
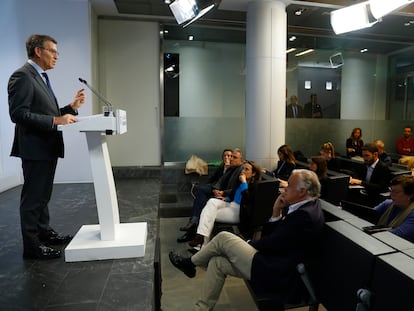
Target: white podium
{"x":109,"y":239}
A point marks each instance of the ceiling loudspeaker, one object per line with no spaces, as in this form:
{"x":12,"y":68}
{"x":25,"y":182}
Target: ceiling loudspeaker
{"x":336,"y":60}
{"x":188,"y":11}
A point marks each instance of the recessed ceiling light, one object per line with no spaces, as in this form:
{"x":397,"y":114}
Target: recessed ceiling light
{"x":292,"y":38}
{"x":299,"y":12}
{"x":190,"y":38}
{"x":167,"y":1}
{"x":364,"y":50}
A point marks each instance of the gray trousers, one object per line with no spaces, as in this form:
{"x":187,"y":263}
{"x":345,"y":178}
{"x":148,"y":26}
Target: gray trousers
{"x":226,"y":254}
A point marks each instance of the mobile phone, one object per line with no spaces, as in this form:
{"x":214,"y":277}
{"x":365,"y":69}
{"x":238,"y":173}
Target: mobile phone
{"x":376,"y":228}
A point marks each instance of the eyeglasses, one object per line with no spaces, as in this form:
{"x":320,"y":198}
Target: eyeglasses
{"x":54,"y":52}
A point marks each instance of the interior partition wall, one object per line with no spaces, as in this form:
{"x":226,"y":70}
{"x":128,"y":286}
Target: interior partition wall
{"x":212,"y":100}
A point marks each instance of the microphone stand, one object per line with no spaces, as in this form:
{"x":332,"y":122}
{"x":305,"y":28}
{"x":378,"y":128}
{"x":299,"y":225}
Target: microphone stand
{"x":108,"y":108}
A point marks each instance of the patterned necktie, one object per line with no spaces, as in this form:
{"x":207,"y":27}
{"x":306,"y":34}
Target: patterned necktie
{"x":44,"y":74}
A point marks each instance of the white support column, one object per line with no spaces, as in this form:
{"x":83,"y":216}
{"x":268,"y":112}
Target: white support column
{"x":265,"y":80}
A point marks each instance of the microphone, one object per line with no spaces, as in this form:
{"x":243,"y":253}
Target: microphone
{"x":108,"y":108}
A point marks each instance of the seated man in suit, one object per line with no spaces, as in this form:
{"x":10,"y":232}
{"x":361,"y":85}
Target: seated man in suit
{"x":374,"y":177}
{"x":382,"y":155}
{"x":290,"y":237}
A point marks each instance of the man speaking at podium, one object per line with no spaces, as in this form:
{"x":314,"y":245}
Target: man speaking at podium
{"x":34,"y":109}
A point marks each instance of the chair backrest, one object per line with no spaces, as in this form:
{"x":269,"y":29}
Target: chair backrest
{"x":265,"y":196}
{"x":259,"y":210}
{"x":362,"y":211}
{"x":336,"y":189}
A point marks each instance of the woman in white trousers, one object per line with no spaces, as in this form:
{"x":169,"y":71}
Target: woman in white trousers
{"x":222,"y":209}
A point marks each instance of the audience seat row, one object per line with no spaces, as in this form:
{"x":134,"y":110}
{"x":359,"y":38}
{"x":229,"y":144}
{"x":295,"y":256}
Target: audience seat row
{"x":351,"y":261}
{"x":382,"y":264}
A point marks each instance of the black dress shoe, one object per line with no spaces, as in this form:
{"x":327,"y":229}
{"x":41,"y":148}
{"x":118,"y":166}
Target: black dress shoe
{"x":190,"y":225}
{"x":42,"y":252}
{"x":53,"y":238}
{"x":183,"y":264}
{"x":188,"y":236}
{"x":197,"y":241}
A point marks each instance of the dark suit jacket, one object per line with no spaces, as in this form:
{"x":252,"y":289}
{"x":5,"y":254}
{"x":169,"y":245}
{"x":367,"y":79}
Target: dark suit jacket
{"x":32,"y":108}
{"x":358,"y":147}
{"x":283,"y":245}
{"x":233,"y":183}
{"x":289,"y":111}
{"x":380,"y":179}
{"x":229,"y":182}
{"x":283,"y":170}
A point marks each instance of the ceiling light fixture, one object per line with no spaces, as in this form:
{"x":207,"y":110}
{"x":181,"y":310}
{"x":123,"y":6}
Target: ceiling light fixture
{"x":291,"y":50}
{"x":364,"y":50}
{"x":190,"y":38}
{"x":304,"y":52}
{"x":292,"y":38}
{"x":188,"y":11}
{"x":380,"y":8}
{"x":352,"y":18}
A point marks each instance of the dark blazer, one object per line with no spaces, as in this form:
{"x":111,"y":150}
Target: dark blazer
{"x":289,"y":111}
{"x":380,"y":178}
{"x":283,"y":245}
{"x":283,"y":170}
{"x":32,"y":108}
{"x":217,"y":174}
{"x":233,"y":183}
{"x":334,"y":164}
{"x":358,"y":147}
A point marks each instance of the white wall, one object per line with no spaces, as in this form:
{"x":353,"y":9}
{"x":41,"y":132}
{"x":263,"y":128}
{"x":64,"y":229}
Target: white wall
{"x":129,"y":75}
{"x":12,"y":51}
{"x":68,"y":22}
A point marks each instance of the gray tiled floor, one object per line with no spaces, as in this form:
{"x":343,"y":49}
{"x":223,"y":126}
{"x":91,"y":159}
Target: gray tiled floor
{"x":119,"y":284}
{"x":55,"y":285}
{"x":180,"y":292}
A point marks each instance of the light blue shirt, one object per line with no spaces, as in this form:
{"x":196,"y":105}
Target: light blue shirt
{"x":38,"y":69}
{"x":370,"y":169}
{"x":291,"y":209}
